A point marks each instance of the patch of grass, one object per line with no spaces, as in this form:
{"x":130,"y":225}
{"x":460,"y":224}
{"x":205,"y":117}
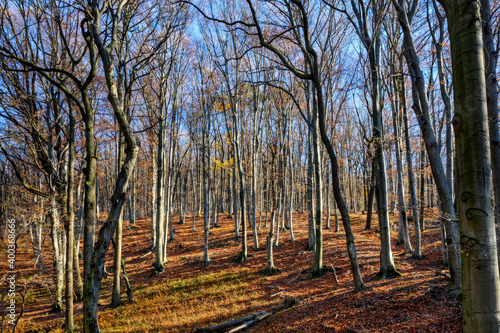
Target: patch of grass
{"x":187,"y":303}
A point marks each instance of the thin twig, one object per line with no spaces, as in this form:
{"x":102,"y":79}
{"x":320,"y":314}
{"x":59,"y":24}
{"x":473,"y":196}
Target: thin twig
{"x":297,"y":277}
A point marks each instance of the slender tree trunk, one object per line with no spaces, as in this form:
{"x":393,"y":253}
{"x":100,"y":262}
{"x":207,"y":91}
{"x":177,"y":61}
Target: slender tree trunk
{"x":230,"y":197}
{"x":154,"y":206}
{"x":235,"y":197}
{"x":116,"y":298}
{"x":422,"y":188}
{"x":194,"y":200}
{"x":317,"y":266}
{"x":160,"y":199}
{"x":244,"y":249}
{"x":310,"y":193}
{"x":292,"y":185}
{"x":278,"y":194}
{"x":206,"y":208}
{"x":422,"y":110}
{"x":387,"y":269}
{"x":371,"y":196}
{"x":70,"y":225}
{"x":351,"y":249}
{"x":403,"y":217}
{"x":254,"y":173}
{"x":328,"y":208}
{"x":491,"y":58}
{"x":56,"y":255}
{"x":77,"y":279}
{"x":417,"y":254}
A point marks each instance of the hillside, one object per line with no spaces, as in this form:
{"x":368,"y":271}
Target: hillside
{"x":189,"y":295}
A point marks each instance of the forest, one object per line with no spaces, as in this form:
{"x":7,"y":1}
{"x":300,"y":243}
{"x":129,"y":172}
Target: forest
{"x":249,"y":165}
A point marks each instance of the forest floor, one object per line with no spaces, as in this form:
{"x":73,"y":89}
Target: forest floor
{"x":189,"y":295}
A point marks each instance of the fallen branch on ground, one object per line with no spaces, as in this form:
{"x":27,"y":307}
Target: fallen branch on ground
{"x":247,"y":321}
{"x":438,"y":272}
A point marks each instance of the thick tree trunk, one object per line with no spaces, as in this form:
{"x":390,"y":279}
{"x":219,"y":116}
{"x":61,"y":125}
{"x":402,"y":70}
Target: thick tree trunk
{"x":480,"y":276}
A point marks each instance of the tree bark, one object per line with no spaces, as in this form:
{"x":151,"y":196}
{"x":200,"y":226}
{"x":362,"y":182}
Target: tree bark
{"x":417,"y":254}
{"x":480,"y":276}
{"x":96,"y":265}
{"x":491,"y":58}
{"x":70,"y":224}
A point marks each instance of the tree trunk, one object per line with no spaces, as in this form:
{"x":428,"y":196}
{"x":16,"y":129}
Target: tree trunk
{"x":57,"y":256}
{"x":206,"y":193}
{"x":403,"y":217}
{"x":310,"y":192}
{"x":70,"y":224}
{"x":421,"y":108}
{"x":78,"y":283}
{"x":371,"y":196}
{"x":328,"y":210}
{"x":96,"y":265}
{"x":154,"y":206}
{"x":160,"y":199}
{"x":244,"y":249}
{"x":417,"y":254}
{"x":351,"y":249}
{"x":117,"y":254}
{"x":89,"y":205}
{"x":480,"y":276}
{"x":317,"y":266}
{"x":387,"y":269}
{"x":292,"y":185}
{"x":235,"y":197}
{"x":491,"y":58}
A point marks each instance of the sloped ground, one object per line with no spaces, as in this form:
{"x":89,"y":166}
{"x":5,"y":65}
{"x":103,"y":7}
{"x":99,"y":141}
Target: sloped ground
{"x":189,"y":295}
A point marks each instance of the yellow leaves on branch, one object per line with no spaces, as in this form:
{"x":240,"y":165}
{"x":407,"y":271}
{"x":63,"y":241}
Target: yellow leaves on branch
{"x":221,"y":107}
{"x":227,"y":165}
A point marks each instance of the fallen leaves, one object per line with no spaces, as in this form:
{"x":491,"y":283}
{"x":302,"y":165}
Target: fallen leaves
{"x":188,"y":296}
